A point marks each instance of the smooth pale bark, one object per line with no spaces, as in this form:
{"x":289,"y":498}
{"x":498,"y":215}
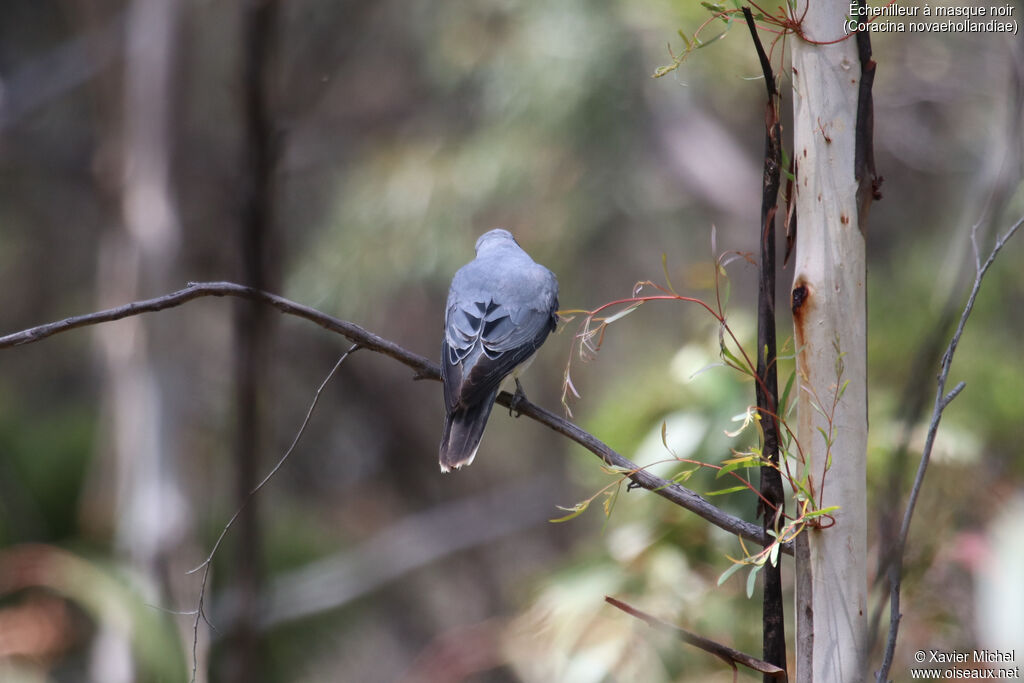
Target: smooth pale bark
{"x":830,"y":333}
{"x":150,"y":507}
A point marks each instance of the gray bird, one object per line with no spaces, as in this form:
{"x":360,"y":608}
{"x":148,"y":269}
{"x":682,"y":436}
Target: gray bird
{"x":501,"y":308}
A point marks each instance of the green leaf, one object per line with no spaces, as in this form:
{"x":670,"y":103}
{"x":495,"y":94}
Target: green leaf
{"x":622,"y":314}
{"x":575,"y":511}
{"x":785,"y":395}
{"x":752,"y":580}
{"x":609,"y":500}
{"x":736,"y":566}
{"x":823,"y":511}
{"x":704,"y":369}
{"x":842,"y":390}
{"x":818,"y":409}
{"x":678,"y":478}
{"x":733,"y":361}
{"x":774,"y":554}
{"x":664,"y":70}
{"x":800,"y":488}
{"x":664,"y":268}
{"x":745,"y":462}
{"x":684,"y":475}
{"x":727,"y":290}
{"x":731,"y":489}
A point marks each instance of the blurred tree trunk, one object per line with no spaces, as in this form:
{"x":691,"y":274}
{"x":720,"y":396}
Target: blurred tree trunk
{"x":253,"y":328}
{"x":136,"y":260}
{"x":829,"y":312}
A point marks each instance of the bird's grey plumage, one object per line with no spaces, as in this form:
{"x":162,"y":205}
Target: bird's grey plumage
{"x":501,"y":308}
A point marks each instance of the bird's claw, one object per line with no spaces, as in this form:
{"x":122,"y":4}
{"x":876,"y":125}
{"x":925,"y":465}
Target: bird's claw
{"x":518,"y":397}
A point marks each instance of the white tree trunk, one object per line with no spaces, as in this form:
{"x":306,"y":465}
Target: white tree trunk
{"x":149,"y":508}
{"x":830,"y":332}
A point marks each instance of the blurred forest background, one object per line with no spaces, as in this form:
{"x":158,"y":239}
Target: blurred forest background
{"x":347,"y":155}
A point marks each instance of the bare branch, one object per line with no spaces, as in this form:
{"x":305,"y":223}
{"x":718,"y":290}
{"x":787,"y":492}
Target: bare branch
{"x":953,"y":394}
{"x":208,"y":562}
{"x":731,"y":656}
{"x":424,"y":369}
{"x":942,"y":400}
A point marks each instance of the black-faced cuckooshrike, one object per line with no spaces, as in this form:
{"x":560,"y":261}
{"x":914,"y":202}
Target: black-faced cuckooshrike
{"x":501,"y":308}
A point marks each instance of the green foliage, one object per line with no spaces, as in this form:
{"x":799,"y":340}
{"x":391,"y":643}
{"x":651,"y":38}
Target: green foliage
{"x":539,"y":79}
{"x":804,"y":485}
{"x":696,"y":40}
{"x":47,"y":455}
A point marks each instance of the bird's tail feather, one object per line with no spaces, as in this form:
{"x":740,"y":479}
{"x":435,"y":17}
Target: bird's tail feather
{"x":463,"y":430}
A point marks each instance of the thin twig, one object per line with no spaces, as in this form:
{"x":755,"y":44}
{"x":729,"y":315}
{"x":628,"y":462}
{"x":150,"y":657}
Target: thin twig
{"x":424,"y":369}
{"x":208,"y":562}
{"x":942,"y":400}
{"x":991,"y":191}
{"x":731,"y":656}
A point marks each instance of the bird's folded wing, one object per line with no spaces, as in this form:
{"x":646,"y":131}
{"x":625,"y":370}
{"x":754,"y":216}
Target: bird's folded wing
{"x":484,"y":342}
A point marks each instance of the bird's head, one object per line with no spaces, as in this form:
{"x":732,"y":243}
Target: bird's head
{"x":494,"y":239}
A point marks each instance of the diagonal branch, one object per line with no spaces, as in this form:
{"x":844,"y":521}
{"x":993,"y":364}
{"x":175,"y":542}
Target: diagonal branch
{"x":424,"y":369}
{"x":942,"y":401}
{"x":731,"y":656}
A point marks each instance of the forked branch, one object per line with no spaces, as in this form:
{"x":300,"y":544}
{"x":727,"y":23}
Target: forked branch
{"x":729,"y":655}
{"x":942,"y":401}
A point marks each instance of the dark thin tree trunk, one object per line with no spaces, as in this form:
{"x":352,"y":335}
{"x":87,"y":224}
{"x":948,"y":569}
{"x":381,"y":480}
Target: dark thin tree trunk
{"x":766,"y":388}
{"x":253,"y":328}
